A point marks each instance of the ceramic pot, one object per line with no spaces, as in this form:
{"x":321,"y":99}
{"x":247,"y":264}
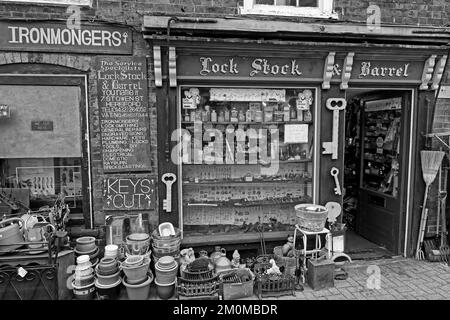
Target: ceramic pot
{"x":133,"y":261}
{"x":86,"y":244}
{"x":111,"y":251}
{"x":108,"y":292}
{"x":109,"y":279}
{"x":218,"y":252}
{"x":166,"y":276}
{"x":138,"y":291}
{"x":107,"y":262}
{"x":86,"y":292}
{"x":165,"y":291}
{"x":222,"y":264}
{"x":83,"y":262}
{"x":137,"y":243}
{"x":136,"y":272}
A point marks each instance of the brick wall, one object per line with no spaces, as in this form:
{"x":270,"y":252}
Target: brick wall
{"x":409,"y":12}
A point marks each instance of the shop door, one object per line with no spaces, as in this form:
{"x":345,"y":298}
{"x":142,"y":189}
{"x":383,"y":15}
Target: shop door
{"x":383,"y":162}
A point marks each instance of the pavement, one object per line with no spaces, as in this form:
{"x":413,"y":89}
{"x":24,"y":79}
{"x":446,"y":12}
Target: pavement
{"x":396,"y":278}
{"x":386,"y":279}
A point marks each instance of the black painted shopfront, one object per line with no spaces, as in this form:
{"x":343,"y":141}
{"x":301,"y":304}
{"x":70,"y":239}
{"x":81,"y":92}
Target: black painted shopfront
{"x":328,"y":104}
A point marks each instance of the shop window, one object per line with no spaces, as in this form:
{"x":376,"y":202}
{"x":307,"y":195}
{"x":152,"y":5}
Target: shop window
{"x":307,"y":8}
{"x":54,"y":2}
{"x":247,"y":157}
{"x":41,"y":150}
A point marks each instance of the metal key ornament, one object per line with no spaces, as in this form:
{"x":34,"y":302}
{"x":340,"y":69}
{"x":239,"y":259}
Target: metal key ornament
{"x":168,"y":179}
{"x":335,"y":105}
{"x":335,"y":172}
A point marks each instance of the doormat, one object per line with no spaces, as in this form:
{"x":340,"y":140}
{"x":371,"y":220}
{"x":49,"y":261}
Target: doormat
{"x":370,"y":254}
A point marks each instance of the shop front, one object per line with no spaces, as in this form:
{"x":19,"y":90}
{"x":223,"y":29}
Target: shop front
{"x":248,"y":129}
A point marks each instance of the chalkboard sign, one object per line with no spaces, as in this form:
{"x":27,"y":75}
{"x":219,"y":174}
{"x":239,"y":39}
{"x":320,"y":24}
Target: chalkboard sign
{"x":124,"y":120}
{"x":128,"y":193}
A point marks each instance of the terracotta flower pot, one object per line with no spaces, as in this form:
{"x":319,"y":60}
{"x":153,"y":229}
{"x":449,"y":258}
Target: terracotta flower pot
{"x":108,"y":292}
{"x":136,"y":272}
{"x":85,"y":244}
{"x":138,"y":291}
{"x":107,"y":279}
{"x":165,"y":291}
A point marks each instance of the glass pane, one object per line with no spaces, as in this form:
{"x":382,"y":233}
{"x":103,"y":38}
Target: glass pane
{"x":247,"y":158}
{"x":45,"y":178}
{"x":292,"y":3}
{"x":40,"y":114}
{"x":381,"y":145}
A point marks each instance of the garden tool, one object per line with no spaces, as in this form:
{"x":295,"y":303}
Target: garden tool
{"x":431,"y":162}
{"x":419,"y":252}
{"x":444,"y":249}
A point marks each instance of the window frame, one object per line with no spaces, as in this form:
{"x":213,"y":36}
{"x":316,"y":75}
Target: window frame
{"x":324,"y":9}
{"x":80,"y":3}
{"x":24,"y":76}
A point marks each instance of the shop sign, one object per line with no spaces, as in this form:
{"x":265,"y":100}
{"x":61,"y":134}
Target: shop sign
{"x":252,"y":67}
{"x":387,"y":70}
{"x":128,"y":193}
{"x":57,"y":37}
{"x":41,"y":125}
{"x":124,"y":119}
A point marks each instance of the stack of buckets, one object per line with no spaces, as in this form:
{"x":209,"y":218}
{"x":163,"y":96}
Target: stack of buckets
{"x":166,"y":270}
{"x":108,"y":275}
{"x":166,"y":245}
{"x":137,"y":277}
{"x":83,"y":281}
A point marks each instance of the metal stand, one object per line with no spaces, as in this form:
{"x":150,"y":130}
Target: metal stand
{"x":314,"y":253}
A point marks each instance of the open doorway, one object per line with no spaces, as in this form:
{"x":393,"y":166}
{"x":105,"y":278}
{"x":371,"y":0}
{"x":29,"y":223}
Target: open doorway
{"x":375,"y":161}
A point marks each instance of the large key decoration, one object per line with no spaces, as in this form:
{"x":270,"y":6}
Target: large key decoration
{"x":335,"y":105}
{"x":335,"y":172}
{"x":168,"y":179}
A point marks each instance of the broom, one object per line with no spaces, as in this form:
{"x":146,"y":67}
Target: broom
{"x":431,"y":162}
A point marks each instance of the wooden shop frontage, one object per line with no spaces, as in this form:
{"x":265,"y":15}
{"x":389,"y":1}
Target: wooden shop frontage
{"x":270,"y":119}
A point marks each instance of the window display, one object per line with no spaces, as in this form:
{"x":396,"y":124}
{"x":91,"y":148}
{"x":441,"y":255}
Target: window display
{"x":45,"y":178}
{"x":246,"y":158}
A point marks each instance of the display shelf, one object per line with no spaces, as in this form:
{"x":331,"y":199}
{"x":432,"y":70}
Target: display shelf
{"x":223,"y":239}
{"x":238,"y":203}
{"x":249,"y":164}
{"x":248,"y":123}
{"x":216,"y":192}
{"x":253,"y":183}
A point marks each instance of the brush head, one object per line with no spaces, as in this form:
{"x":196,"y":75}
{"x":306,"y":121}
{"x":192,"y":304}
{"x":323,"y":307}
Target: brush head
{"x":431,"y":161}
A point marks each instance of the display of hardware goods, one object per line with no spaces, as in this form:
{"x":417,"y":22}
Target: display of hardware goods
{"x":247,"y":156}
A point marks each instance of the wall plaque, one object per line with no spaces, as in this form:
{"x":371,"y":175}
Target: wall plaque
{"x":41,"y":125}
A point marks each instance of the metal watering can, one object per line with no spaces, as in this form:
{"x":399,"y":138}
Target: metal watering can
{"x":11,"y":235}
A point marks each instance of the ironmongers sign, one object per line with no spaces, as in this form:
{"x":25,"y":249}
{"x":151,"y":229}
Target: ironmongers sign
{"x":56,"y":37}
